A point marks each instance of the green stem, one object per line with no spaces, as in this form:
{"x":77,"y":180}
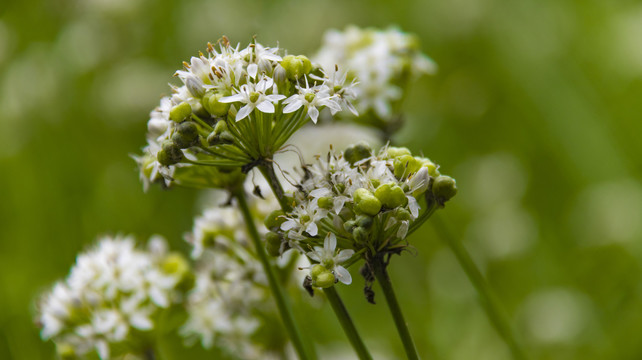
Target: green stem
{"x":338,"y":307}
{"x":346,"y":323}
{"x":281,"y":300}
{"x":268,"y":172}
{"x":381,"y":274}
{"x":487,"y":297}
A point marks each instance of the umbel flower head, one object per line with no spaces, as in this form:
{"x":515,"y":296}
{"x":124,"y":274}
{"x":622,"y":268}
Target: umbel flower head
{"x":358,"y":204}
{"x":383,"y":61}
{"x":235,"y":108}
{"x":112,"y":298}
{"x":229,"y":301}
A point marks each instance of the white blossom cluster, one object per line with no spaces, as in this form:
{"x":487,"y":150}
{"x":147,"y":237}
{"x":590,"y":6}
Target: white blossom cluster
{"x":358,"y":201}
{"x":230,"y":289}
{"x":235,"y":106}
{"x":382,"y":61}
{"x":112,"y":292}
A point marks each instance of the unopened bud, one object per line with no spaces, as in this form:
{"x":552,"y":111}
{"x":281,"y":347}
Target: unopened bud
{"x":169,"y":154}
{"x":325,"y":202}
{"x":357,"y":152}
{"x":195,"y":86}
{"x":215,"y":107}
{"x":364,"y":221}
{"x":402,"y":214}
{"x":391,"y":195}
{"x":360,"y":234}
{"x":273,"y":244}
{"x":432,"y":168}
{"x":180,"y":112}
{"x":405,"y":165}
{"x":296,"y":66}
{"x":317,"y":270}
{"x":394,"y":152}
{"x":324,"y":280}
{"x":274,"y":219}
{"x":186,"y":135}
{"x":444,"y":188}
{"x":365,"y":202}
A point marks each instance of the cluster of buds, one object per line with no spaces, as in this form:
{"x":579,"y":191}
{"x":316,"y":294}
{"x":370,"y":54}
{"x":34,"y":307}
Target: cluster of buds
{"x":383,"y":62}
{"x":236,"y":107}
{"x":112,"y":298}
{"x":357,"y":204}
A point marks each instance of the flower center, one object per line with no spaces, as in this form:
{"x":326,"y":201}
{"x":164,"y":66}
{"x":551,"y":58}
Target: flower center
{"x":254,"y":96}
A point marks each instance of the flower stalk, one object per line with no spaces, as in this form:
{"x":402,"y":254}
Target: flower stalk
{"x":380,"y":272}
{"x":346,"y":323}
{"x":281,"y":300}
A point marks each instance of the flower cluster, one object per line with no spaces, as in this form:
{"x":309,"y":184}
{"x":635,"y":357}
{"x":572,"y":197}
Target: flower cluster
{"x":235,"y":108}
{"x":230,"y":289}
{"x":112,"y":296}
{"x":357,"y":202}
{"x":383,"y":62}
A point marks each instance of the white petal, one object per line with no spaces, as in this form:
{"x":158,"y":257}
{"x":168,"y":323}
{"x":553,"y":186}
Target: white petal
{"x":141,"y":322}
{"x":252,"y":69}
{"x":343,"y":274}
{"x":266,"y":107}
{"x":339,"y":201}
{"x":413,"y":206}
{"x":293,"y":106}
{"x":313,"y":113}
{"x":233,"y":98}
{"x":312,"y":229}
{"x":275,"y":97}
{"x":344,"y":255}
{"x":244,"y":112}
{"x":403,"y":229}
{"x":314,"y":256}
{"x":289,"y":224}
{"x":330,"y":242}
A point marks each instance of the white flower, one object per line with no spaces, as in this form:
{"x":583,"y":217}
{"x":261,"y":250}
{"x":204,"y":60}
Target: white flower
{"x":254,"y":96}
{"x":303,"y":218}
{"x":330,"y":259}
{"x":313,"y":99}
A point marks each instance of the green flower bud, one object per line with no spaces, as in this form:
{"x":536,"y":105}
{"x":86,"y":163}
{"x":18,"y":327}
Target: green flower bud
{"x":215,"y":107}
{"x":391,"y":195}
{"x":325,"y":202}
{"x":360,"y":234}
{"x":175,"y":264}
{"x":186,"y":135}
{"x":444,"y":188}
{"x":274,"y":219}
{"x":317,"y":270}
{"x":405,"y":165}
{"x":169,"y":154}
{"x":402,"y":214}
{"x":394,"y":152}
{"x":220,"y":127}
{"x":349,"y":225}
{"x":273,"y":243}
{"x":364,"y":221}
{"x":432,"y":168}
{"x":324,"y":280}
{"x":296,"y":66}
{"x":357,"y":152}
{"x":180,"y":112}
{"x":365,"y":202}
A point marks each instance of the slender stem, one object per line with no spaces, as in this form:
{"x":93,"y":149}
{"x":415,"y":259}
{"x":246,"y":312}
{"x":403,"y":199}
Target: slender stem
{"x":338,"y":307}
{"x":281,"y":300}
{"x":268,"y":172}
{"x":346,"y":323}
{"x":402,"y":327}
{"x":488,"y":299}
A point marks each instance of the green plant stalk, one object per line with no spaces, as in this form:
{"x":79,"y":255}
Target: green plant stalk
{"x":281,"y":300}
{"x":395,"y":310}
{"x":346,"y":323}
{"x":340,"y":311}
{"x":486,"y":296}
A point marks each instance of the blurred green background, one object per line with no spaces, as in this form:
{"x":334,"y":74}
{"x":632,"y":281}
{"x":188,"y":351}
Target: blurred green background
{"x":535,"y":111}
